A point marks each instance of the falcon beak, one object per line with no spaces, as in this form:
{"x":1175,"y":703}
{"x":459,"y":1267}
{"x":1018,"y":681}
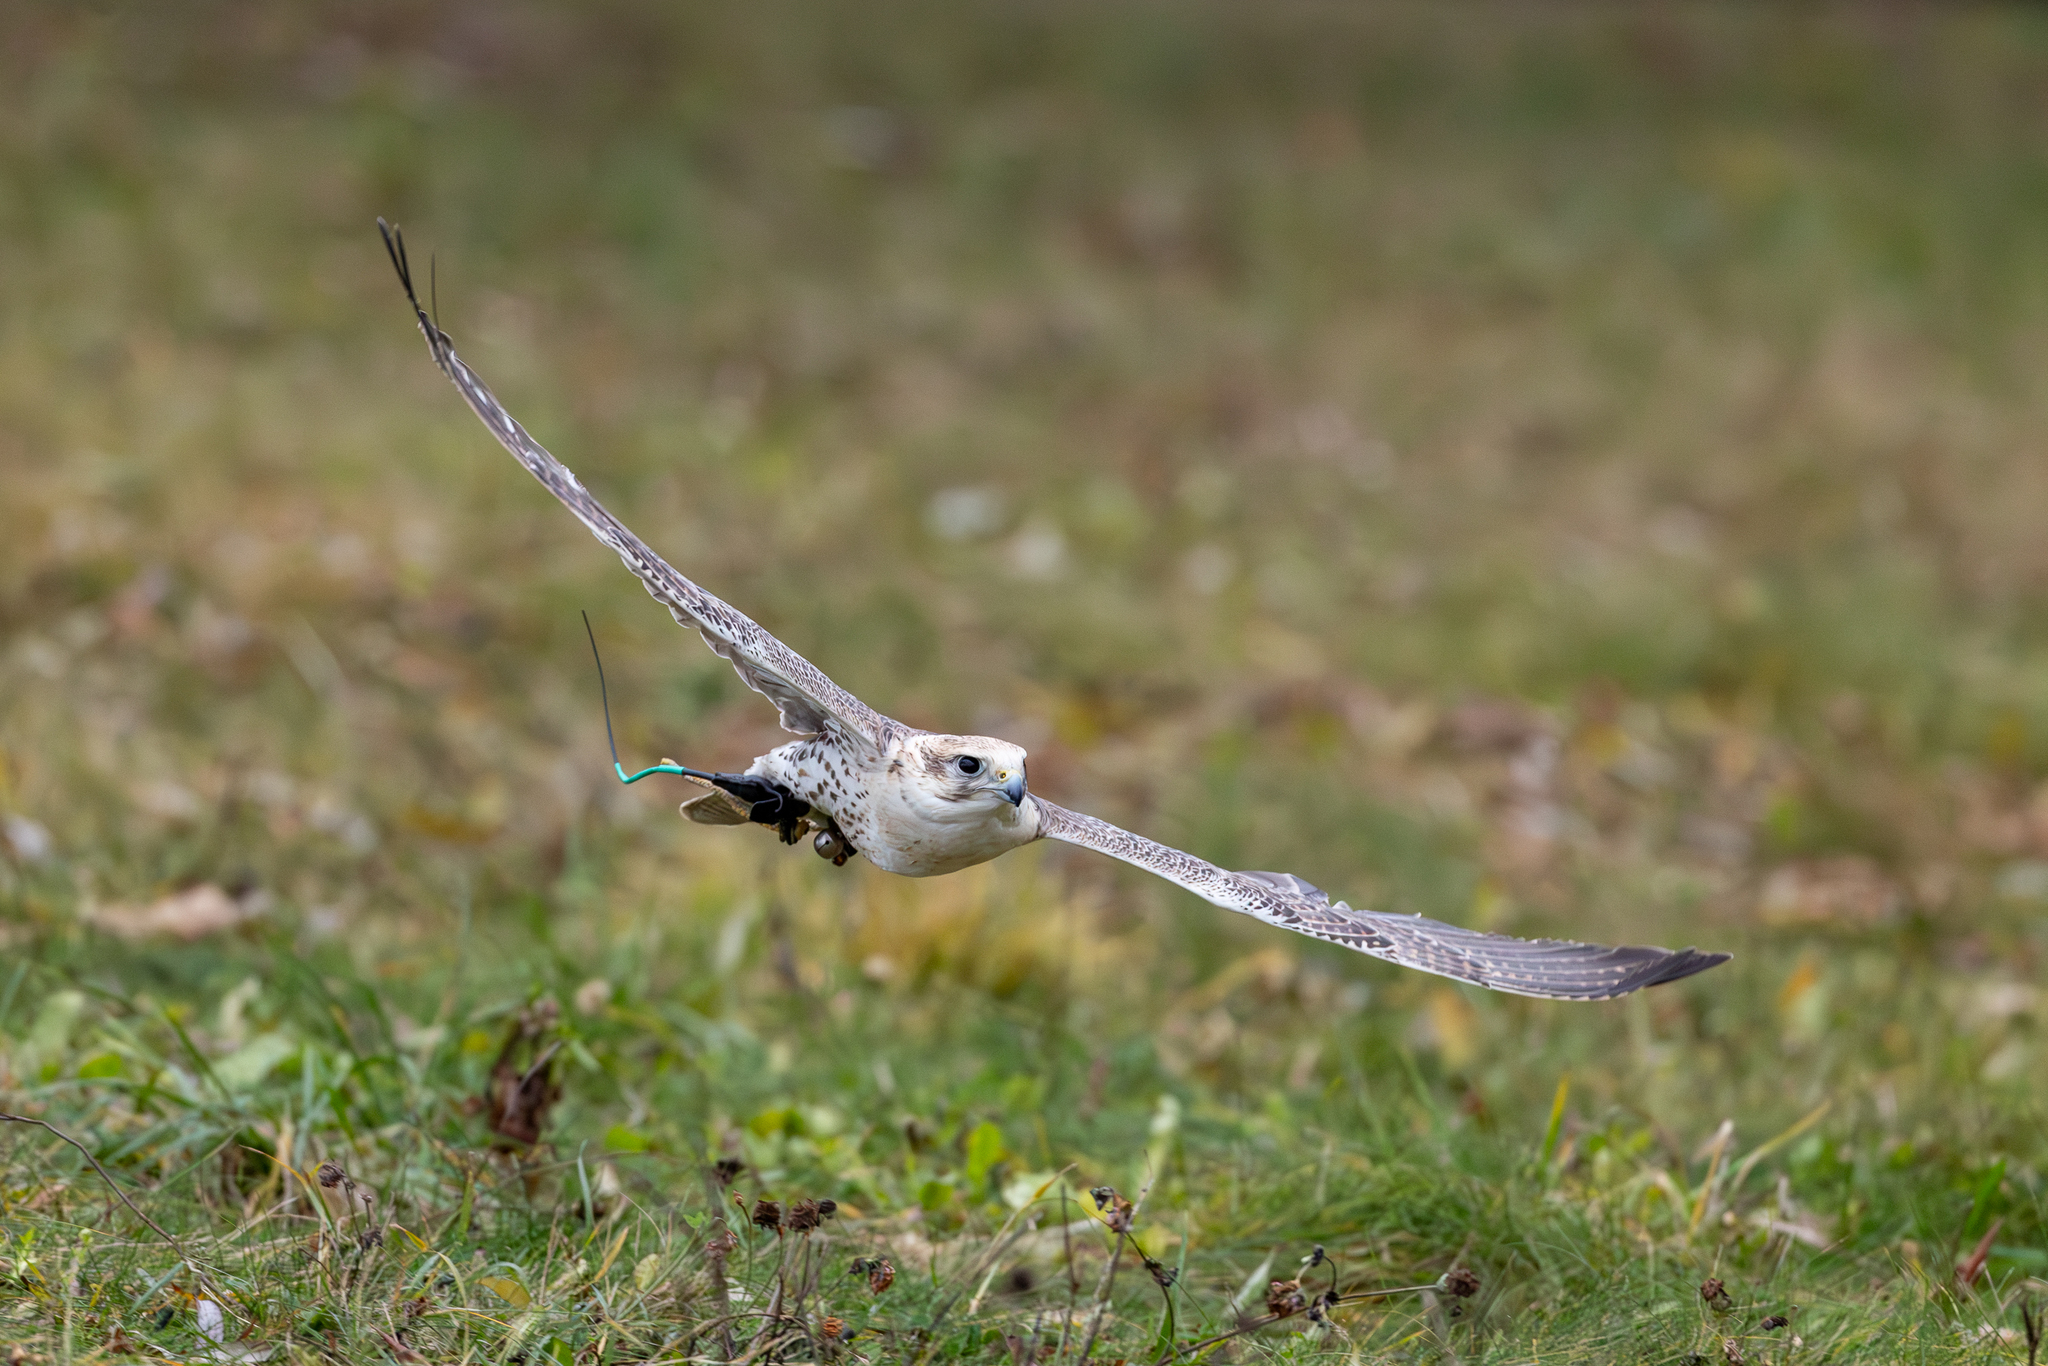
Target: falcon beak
{"x":1012,"y":791}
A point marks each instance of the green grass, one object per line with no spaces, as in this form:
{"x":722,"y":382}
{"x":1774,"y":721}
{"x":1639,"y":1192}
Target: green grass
{"x":1564,"y":471}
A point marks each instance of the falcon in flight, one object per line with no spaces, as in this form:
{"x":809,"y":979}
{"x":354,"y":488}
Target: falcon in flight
{"x":920,"y":804}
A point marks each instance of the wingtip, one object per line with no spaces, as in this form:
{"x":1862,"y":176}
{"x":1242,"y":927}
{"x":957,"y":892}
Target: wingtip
{"x":394,"y":247}
{"x":1680,"y":964}
{"x":1615,"y":972}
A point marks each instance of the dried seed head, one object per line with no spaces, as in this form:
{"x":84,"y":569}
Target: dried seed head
{"x":1285,"y":1297}
{"x":727,"y":1170}
{"x":721,"y":1242}
{"x":1118,"y":1213}
{"x":1162,"y":1273}
{"x":1315,"y":1259}
{"x":1461,"y":1281}
{"x":331,"y":1174}
{"x":1773,"y":1323}
{"x":768,"y":1214}
{"x":1716,"y":1294}
{"x":1319,"y":1307}
{"x":803,"y":1216}
{"x":833,"y":1329}
{"x":827,"y":1208}
{"x":881,"y":1275}
{"x":540,"y":1017}
{"x":1732,"y":1350}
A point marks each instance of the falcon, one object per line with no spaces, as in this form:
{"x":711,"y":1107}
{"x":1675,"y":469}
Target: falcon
{"x":920,"y":804}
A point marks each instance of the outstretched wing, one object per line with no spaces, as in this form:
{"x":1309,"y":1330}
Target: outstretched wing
{"x":810,"y":702}
{"x":1554,"y":968}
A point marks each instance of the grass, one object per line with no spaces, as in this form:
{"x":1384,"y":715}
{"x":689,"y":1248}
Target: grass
{"x":1566,"y":471}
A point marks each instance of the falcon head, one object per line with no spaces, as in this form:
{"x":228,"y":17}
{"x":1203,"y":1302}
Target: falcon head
{"x":950,"y":802}
{"x":972,"y":769}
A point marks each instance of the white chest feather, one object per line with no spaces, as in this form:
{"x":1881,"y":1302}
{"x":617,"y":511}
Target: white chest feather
{"x":923,"y":834}
{"x":891,"y":811}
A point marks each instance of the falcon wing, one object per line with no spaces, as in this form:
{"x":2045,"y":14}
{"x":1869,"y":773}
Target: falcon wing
{"x":810,"y":702}
{"x":1554,"y":968}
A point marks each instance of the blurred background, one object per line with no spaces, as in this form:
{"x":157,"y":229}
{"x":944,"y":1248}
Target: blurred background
{"x":1568,"y":470}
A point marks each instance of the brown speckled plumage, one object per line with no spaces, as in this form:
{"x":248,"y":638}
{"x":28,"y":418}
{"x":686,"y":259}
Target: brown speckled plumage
{"x":896,"y":793}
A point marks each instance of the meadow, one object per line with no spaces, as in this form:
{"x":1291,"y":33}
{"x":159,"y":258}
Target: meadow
{"x":1569,"y":470}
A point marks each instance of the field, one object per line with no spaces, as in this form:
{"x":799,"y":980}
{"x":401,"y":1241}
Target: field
{"x":1567,"y":470}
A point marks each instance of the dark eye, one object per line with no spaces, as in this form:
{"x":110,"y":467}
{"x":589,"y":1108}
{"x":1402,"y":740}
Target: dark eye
{"x":968,"y":764}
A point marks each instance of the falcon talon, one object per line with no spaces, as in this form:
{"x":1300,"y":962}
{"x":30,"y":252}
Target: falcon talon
{"x":920,"y":804}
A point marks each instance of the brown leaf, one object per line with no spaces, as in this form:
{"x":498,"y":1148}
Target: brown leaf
{"x":399,"y":1350}
{"x":1491,"y":725}
{"x":1973,"y":1265}
{"x":519,"y":1098}
{"x":1847,"y":890}
{"x":1285,"y":1297}
{"x":189,"y":915}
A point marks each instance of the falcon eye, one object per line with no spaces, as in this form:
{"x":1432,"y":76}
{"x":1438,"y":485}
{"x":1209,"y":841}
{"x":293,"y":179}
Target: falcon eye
{"x":968,"y":764}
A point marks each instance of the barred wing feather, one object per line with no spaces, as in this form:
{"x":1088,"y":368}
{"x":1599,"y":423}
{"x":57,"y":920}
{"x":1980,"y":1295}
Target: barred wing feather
{"x":1552,"y":968}
{"x":810,"y":702}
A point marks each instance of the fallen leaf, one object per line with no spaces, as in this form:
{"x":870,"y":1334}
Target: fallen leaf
{"x":252,"y":1062}
{"x":508,"y":1290}
{"x":1846,"y":890}
{"x":519,"y":1098}
{"x":189,"y":915}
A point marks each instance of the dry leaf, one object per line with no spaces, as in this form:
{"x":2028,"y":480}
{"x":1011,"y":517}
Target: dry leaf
{"x":508,"y":1290}
{"x":188,"y":915}
{"x":1845,"y":890}
{"x":520,"y":1098}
